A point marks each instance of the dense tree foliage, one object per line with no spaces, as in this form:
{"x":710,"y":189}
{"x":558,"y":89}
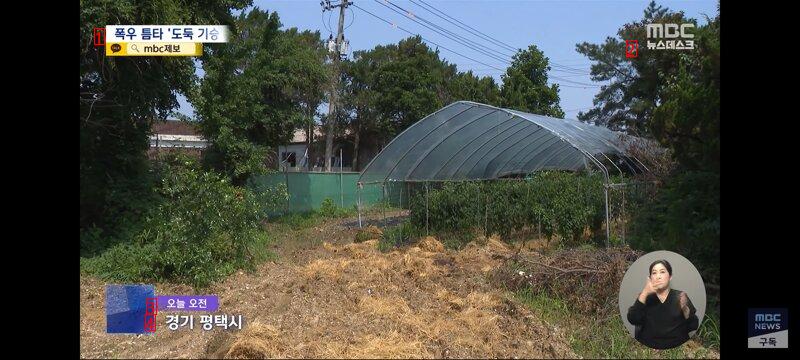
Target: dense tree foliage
{"x":671,"y":96}
{"x":525,"y":85}
{"x":258,"y":88}
{"x":120,"y":97}
{"x":390,"y":87}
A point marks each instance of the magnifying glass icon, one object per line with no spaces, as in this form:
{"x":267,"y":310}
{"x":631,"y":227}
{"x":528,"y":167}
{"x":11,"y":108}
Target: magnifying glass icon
{"x":134,"y":48}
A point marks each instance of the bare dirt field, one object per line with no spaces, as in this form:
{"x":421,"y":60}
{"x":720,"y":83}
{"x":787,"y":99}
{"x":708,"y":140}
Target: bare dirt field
{"x":328,"y":297}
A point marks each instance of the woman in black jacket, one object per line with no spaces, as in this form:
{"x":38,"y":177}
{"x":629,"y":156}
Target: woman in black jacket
{"x":663,"y":316}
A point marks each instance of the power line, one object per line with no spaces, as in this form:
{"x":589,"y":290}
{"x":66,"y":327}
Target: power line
{"x":513,"y":51}
{"x":414,"y":18}
{"x":466,"y":42}
{"x":579,"y":109}
{"x":505,"y":61}
{"x":495,"y":41}
{"x":327,"y":24}
{"x":351,"y":21}
{"x":578,"y":87}
{"x":574,"y":82}
{"x":574,"y":75}
{"x":424,"y":39}
{"x":568,"y":69}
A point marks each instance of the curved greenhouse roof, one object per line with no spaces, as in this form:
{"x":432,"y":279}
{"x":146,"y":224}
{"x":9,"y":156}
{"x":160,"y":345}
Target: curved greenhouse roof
{"x":471,"y":141}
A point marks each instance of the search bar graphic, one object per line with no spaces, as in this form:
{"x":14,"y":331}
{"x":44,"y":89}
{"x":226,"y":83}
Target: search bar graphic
{"x":154,"y":49}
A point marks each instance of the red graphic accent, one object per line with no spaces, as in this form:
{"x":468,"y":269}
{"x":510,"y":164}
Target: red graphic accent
{"x":99,"y":37}
{"x":150,"y":313}
{"x":631,"y":49}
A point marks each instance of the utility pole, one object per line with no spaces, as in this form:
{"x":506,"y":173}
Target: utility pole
{"x":336,"y":53}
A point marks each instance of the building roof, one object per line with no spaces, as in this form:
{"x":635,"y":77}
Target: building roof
{"x":300,"y":134}
{"x":174,"y":127}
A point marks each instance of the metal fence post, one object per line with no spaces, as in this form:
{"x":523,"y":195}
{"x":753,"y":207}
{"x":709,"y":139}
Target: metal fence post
{"x":288,"y":193}
{"x":341,"y":178}
{"x":427,"y":213}
{"x":624,"y":222}
{"x":383,"y":203}
{"x":486,"y":212}
{"x":401,"y":209}
{"x":608,"y":218}
{"x":358,"y":202}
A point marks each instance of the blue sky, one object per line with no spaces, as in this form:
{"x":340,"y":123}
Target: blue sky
{"x":554,"y":26}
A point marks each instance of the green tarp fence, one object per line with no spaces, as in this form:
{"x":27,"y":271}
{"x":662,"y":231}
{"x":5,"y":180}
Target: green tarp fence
{"x":307,"y":190}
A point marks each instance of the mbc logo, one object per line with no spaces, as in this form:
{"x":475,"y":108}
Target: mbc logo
{"x":768,"y":317}
{"x":670,"y":36}
{"x":669,"y":31}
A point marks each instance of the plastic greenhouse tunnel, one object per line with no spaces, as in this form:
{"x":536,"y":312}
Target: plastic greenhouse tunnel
{"x":472,"y":141}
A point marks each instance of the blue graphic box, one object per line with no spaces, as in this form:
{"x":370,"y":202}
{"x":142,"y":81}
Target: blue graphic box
{"x":125,"y":308}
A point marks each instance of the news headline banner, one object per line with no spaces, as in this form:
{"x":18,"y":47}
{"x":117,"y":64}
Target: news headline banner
{"x":167,"y":33}
{"x":154,"y":49}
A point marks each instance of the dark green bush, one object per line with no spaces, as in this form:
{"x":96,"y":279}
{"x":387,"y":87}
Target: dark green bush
{"x":202,"y":231}
{"x":684,"y":217}
{"x":562,"y":203}
{"x":328,"y":208}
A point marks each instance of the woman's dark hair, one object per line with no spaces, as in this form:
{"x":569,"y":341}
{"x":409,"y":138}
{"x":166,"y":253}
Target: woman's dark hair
{"x":662,"y":262}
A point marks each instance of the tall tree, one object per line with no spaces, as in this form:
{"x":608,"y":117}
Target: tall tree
{"x":636,"y":84}
{"x":258,"y":89}
{"x":411,"y":85}
{"x":467,"y":86}
{"x":684,"y":216}
{"x":121,"y":96}
{"x":687,"y":120}
{"x":358,"y":101}
{"x":309,"y":89}
{"x":388,"y":88}
{"x":525,"y":85}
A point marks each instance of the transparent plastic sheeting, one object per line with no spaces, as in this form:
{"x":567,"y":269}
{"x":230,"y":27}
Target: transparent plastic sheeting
{"x":472,"y":141}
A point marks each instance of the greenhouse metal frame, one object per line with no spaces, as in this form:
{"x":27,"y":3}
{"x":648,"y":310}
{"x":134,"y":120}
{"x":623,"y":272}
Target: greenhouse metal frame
{"x":469,"y":141}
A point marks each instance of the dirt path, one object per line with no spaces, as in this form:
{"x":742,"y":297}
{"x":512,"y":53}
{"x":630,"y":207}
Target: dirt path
{"x":327,"y":297}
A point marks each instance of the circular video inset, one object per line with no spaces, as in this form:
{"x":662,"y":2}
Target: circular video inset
{"x":662,"y":299}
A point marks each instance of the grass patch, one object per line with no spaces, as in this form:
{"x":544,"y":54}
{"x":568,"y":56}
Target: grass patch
{"x":398,"y":235}
{"x":456,"y":240}
{"x":362,"y":236}
{"x":304,"y":220}
{"x":380,"y":206}
{"x":299,"y":221}
{"x":708,"y":331}
{"x":597,"y":338}
{"x":259,"y":248}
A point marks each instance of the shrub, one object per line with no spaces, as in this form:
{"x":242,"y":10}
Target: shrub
{"x":328,"y":208}
{"x":684,"y":217}
{"x":398,"y":235}
{"x":561,"y":203}
{"x":204,"y":230}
